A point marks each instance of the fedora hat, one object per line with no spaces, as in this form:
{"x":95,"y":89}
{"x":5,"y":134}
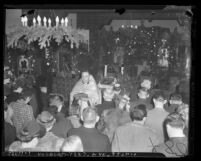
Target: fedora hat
{"x":46,"y":119}
{"x":31,"y":130}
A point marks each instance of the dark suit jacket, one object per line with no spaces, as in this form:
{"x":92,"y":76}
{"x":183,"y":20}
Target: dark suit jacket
{"x":64,"y":110}
{"x":10,"y":134}
{"x":92,"y":139}
{"x":61,"y":126}
{"x":104,"y":106}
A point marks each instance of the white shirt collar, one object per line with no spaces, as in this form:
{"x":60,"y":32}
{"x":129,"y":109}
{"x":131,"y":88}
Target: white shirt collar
{"x":59,"y":108}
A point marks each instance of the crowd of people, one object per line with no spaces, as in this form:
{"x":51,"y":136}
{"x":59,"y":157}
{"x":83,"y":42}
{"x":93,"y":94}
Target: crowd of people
{"x":96,"y":119}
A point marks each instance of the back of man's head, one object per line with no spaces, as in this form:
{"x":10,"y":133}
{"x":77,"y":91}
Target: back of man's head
{"x":89,"y":115}
{"x":175,"y":125}
{"x":175,"y":121}
{"x":72,"y":144}
{"x":138,"y":112}
{"x":56,"y":99}
{"x":108,"y":94}
{"x":159,"y":95}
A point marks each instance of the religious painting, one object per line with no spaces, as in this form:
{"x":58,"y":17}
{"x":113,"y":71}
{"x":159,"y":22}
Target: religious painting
{"x":23,"y":65}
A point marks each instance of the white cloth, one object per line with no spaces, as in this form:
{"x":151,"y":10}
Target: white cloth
{"x":90,"y":89}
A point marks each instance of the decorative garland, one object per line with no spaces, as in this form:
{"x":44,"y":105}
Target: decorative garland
{"x":44,"y":35}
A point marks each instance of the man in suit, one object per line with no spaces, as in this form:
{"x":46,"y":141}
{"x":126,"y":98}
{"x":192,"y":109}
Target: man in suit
{"x":177,"y":145}
{"x":9,"y":129}
{"x":156,"y":116}
{"x":92,"y":139}
{"x":62,"y":124}
{"x":135,"y":136}
{"x":58,"y":100}
{"x":108,"y":95}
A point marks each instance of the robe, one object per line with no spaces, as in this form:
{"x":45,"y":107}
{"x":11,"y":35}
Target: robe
{"x":90,"y":89}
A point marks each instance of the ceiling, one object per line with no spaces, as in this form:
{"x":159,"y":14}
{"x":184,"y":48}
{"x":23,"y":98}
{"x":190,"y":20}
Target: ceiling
{"x":93,"y":16}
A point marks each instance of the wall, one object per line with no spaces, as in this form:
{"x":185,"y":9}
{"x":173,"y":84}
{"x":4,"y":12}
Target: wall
{"x":13,"y":17}
{"x":116,"y":24}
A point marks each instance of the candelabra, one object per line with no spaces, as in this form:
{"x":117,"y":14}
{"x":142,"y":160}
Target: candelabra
{"x":38,"y":21}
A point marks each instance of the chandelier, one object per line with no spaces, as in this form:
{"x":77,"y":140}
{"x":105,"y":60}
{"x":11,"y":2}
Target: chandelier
{"x":64,"y":21}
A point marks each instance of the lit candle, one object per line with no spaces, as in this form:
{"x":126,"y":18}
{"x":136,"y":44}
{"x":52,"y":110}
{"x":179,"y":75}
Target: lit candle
{"x":22,"y":20}
{"x":62,"y":22}
{"x":44,"y":21}
{"x":49,"y":22}
{"x":25,"y":20}
{"x":57,"y":21}
{"x":105,"y":71}
{"x":39,"y":20}
{"x":66,"y":21}
{"x":122,"y":70}
{"x":34,"y":22}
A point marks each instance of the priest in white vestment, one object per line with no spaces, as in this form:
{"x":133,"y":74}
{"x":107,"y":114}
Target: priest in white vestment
{"x":86,"y":85}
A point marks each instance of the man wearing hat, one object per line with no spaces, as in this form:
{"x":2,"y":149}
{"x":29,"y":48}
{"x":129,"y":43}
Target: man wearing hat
{"x":50,"y":142}
{"x":29,"y":137}
{"x":108,"y":103}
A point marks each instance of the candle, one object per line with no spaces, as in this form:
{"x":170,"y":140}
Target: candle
{"x":25,"y":20}
{"x":44,"y":21}
{"x":57,"y":21}
{"x":22,"y":20}
{"x":62,"y":22}
{"x":66,"y":21}
{"x":105,"y":71}
{"x":34,"y":22}
{"x":122,"y":70}
{"x":49,"y":22}
{"x":39,"y":20}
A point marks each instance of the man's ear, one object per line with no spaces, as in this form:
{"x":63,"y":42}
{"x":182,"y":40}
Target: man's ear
{"x":97,"y":118}
{"x":165,"y":101}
